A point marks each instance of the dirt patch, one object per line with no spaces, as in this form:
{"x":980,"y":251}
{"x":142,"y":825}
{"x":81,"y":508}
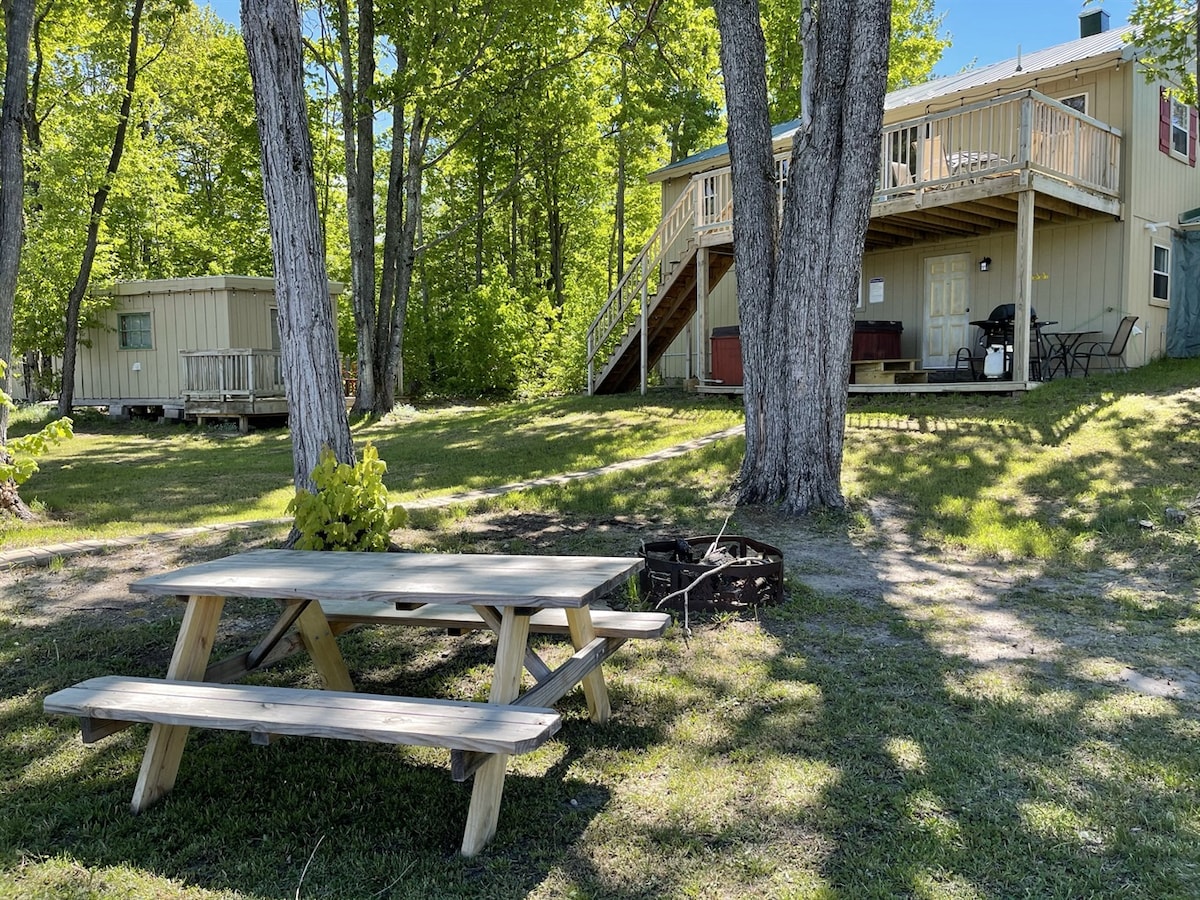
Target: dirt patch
{"x":988,"y":613}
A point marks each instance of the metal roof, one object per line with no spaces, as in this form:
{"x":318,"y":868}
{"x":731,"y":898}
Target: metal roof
{"x":1076,"y":52}
{"x":1062,"y":56}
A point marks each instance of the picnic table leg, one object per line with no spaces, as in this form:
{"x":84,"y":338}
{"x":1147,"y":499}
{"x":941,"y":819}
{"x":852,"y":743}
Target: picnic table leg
{"x":160,"y":765}
{"x":583,"y":632}
{"x":484,"y":811}
{"x":323,"y":649}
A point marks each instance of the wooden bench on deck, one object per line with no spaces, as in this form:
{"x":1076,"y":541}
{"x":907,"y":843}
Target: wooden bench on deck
{"x":887,"y":371}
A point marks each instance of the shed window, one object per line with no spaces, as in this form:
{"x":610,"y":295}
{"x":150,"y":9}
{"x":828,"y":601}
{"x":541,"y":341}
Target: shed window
{"x":1161,"y":277}
{"x":133,"y":331}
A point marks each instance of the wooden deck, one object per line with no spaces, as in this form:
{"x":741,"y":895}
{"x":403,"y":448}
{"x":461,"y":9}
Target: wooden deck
{"x":1000,"y":165}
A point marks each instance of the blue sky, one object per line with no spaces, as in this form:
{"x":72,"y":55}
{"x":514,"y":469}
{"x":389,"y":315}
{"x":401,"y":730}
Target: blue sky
{"x":985,"y":31}
{"x":989,"y":32}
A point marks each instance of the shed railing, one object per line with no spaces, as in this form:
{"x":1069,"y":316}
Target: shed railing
{"x":236,"y":374}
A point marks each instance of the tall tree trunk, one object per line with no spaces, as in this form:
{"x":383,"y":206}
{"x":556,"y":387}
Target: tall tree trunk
{"x":358,"y":134}
{"x":622,"y":166}
{"x":405,"y":264}
{"x":480,"y":210}
{"x":796,"y":296}
{"x":393,"y":222}
{"x":312,"y":380}
{"x":66,"y":398}
{"x":18,"y":25}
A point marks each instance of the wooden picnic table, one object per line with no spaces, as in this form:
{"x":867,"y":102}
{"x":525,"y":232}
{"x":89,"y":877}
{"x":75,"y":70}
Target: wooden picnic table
{"x":506,"y":592}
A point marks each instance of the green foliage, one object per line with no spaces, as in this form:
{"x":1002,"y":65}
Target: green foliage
{"x":187,"y":199}
{"x":18,"y":455}
{"x":349,"y":511}
{"x":1167,"y":28}
{"x":914,"y":51}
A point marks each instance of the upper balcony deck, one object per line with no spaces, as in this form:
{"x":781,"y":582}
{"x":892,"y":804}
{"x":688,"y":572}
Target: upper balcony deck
{"x":957,"y":173}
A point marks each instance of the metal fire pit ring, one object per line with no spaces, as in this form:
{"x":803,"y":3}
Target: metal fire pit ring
{"x":756,"y":582}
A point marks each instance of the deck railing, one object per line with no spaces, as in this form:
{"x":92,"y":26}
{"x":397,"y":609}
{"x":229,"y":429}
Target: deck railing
{"x":237,"y":374}
{"x":1025,"y":130}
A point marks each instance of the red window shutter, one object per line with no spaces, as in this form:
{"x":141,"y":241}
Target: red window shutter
{"x":1192,"y":136}
{"x":1164,"y":121}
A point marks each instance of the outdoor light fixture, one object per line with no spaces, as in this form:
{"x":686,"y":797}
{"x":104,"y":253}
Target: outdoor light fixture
{"x":985,"y":264}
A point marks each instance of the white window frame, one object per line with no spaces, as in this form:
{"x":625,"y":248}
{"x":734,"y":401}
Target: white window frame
{"x":124,"y":334}
{"x":1184,"y":130}
{"x":1156,"y":274}
{"x":1081,"y":95}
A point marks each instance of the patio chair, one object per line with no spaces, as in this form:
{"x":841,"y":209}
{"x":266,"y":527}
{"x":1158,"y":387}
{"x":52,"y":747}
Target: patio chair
{"x":934,"y":164}
{"x":972,"y":357}
{"x":1108,"y":351}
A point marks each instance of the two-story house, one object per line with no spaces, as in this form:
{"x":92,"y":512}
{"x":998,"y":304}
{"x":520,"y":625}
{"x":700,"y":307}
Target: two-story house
{"x":1056,"y":181}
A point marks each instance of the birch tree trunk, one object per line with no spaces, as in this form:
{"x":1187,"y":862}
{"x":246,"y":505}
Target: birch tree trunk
{"x":311,"y":372}
{"x":18,"y":25}
{"x":797,"y":292}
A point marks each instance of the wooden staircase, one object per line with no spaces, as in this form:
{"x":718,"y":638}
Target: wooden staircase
{"x":670,"y":310}
{"x":656,"y":298}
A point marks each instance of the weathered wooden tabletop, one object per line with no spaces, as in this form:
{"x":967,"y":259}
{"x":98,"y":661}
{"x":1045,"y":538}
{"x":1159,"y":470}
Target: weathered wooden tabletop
{"x":491,"y":580}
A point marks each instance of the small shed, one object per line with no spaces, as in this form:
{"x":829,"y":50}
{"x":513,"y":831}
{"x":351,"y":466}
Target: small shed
{"x":163,"y":343}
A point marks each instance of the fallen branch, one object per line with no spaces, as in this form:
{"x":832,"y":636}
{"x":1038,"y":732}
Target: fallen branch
{"x":685,"y":592}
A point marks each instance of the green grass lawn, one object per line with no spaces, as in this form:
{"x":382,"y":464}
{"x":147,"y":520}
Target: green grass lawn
{"x":137,"y":478}
{"x":852,"y":742}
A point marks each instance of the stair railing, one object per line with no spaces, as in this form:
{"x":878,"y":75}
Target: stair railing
{"x":640,"y":281}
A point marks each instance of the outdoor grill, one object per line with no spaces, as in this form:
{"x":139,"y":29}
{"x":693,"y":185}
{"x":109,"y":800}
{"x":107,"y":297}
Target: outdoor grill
{"x":755,"y":579}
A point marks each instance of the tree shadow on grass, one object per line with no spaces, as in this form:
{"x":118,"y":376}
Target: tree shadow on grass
{"x":851,"y":744}
{"x":1005,"y":777}
{"x":356,"y":819}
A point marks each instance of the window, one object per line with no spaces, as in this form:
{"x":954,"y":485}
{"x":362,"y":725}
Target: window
{"x":275,"y":344}
{"x":1077,"y":102}
{"x":1179,"y":128}
{"x":1160,"y":288}
{"x":1176,"y":128}
{"x":133,"y":331}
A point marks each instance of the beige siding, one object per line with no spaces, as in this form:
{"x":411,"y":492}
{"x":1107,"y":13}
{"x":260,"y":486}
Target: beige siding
{"x":178,"y":321}
{"x":250,"y":318}
{"x":1078,"y":271}
{"x":1087,"y":274}
{"x":1161,"y":187}
{"x":209,"y":313}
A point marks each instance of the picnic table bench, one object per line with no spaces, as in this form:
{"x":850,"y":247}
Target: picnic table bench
{"x":324,"y":593}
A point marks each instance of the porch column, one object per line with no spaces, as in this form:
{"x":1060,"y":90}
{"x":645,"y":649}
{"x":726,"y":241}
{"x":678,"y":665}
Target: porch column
{"x":645,"y":321}
{"x":1024,"y":285}
{"x":701,"y":312}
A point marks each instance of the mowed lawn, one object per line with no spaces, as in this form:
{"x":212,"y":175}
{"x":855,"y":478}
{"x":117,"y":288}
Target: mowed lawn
{"x":983,"y":682}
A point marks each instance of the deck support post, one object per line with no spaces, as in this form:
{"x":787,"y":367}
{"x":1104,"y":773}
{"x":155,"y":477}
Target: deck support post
{"x":701,"y":311}
{"x":1024,"y":286}
{"x":644,"y":323}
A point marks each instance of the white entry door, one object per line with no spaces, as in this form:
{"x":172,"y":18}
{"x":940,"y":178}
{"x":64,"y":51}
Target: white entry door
{"x":947,"y":308}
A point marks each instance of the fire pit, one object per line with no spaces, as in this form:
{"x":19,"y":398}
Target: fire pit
{"x":755,"y":579}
